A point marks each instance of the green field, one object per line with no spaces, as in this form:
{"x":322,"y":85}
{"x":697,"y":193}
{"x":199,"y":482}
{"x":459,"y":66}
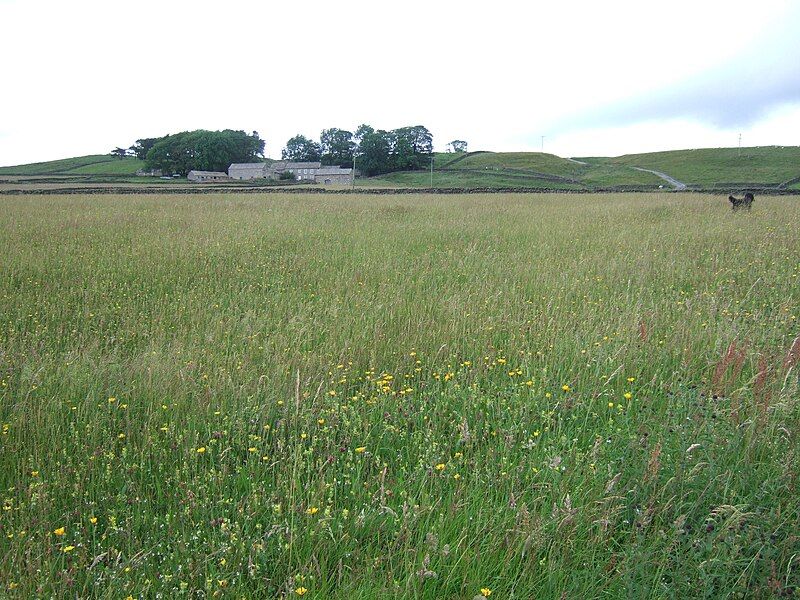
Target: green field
{"x":537,"y":396}
{"x":768,"y":165}
{"x":463,"y":179}
{"x":517,"y":169}
{"x":99,"y":164}
{"x":704,"y":168}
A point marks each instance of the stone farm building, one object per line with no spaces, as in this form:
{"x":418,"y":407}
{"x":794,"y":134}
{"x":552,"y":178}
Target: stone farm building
{"x":248,"y":170}
{"x":328,"y":175}
{"x":206,"y":176}
{"x":311,"y":172}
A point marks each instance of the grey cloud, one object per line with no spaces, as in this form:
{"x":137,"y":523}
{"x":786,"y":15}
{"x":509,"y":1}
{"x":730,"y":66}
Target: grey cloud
{"x":764,"y":76}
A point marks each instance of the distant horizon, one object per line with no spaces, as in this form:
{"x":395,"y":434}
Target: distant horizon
{"x":34,"y":162}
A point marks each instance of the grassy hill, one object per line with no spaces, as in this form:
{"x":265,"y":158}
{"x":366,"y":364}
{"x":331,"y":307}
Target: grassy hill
{"x":517,"y":169}
{"x":96,"y":164}
{"x":766,"y":165}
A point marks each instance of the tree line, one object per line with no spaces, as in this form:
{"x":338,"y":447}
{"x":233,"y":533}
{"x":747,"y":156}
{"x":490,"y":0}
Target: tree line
{"x":200,"y":150}
{"x":376,"y":151}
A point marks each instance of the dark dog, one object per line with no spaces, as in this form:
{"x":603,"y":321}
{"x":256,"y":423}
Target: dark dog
{"x":745,"y":203}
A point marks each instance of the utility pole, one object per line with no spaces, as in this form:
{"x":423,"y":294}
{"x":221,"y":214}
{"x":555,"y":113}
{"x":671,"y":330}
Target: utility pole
{"x":353,"y":179}
{"x":431,"y":171}
{"x":739,"y":151}
{"x":542,"y":143}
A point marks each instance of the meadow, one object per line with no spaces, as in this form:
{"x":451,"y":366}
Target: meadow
{"x":504,"y":396}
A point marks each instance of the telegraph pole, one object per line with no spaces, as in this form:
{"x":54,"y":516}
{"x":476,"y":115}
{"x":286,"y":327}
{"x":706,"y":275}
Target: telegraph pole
{"x":739,"y":151}
{"x":353,"y":180}
{"x":542,"y":143}
{"x":431,"y":170}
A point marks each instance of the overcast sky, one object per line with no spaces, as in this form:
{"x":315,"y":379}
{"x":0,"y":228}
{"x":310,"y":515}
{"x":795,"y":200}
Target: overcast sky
{"x":594,"y":78}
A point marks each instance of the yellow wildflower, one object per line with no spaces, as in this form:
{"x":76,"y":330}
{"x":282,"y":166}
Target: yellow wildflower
{"x":92,"y":520}
{"x":300,"y":591}
{"x":312,"y":510}
{"x":565,"y":387}
{"x":628,"y":395}
{"x":486,"y":592}
{"x":201,"y":449}
{"x":361,"y":449}
{"x":69,"y":548}
{"x":440,"y":467}
{"x":59,"y":531}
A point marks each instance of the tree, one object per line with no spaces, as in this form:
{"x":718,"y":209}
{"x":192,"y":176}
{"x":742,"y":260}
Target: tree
{"x":301,"y":149}
{"x":361,"y":131}
{"x":457,"y":146}
{"x":374,"y":152}
{"x":337,"y":147}
{"x":203,"y":150}
{"x":119,"y":152}
{"x":142,"y":147}
{"x":412,"y":148}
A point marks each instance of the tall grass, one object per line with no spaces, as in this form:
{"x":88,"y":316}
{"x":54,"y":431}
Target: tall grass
{"x":428,"y":397}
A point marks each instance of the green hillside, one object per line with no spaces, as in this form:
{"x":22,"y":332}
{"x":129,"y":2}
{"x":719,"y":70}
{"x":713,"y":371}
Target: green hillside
{"x":518,"y":169}
{"x":523,"y":161}
{"x":464,"y":179}
{"x":766,"y":165}
{"x":96,"y":164}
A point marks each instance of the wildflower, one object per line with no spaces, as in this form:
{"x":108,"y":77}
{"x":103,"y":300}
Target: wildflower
{"x":457,"y":476}
{"x":312,"y":510}
{"x":486,"y":592}
{"x":610,"y":405}
{"x":59,"y":531}
{"x":627,"y":395}
{"x":321,"y":421}
{"x":92,"y":520}
{"x":361,"y":449}
{"x":300,"y":591}
{"x":112,"y":399}
{"x":34,"y":473}
{"x":201,"y":449}
{"x":69,"y":548}
{"x":330,"y":393}
{"x":631,"y":379}
{"x":440,"y":467}
{"x":121,"y":436}
{"x":252,"y":449}
{"x":565,"y":387}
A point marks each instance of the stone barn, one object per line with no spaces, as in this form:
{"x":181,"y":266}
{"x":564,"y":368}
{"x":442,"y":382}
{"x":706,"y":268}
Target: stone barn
{"x":334,"y":176}
{"x":248,"y":170}
{"x":206,"y":176}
